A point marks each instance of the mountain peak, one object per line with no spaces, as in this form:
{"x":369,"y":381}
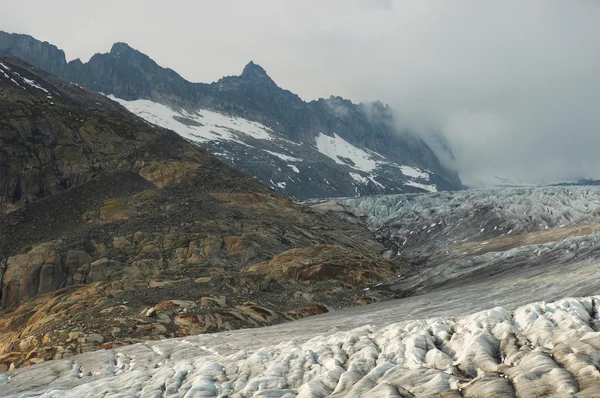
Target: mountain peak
{"x":254,"y":71}
{"x":121,"y":48}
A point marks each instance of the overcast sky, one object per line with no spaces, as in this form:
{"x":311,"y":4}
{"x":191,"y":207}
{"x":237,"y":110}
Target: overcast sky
{"x":514,"y":85}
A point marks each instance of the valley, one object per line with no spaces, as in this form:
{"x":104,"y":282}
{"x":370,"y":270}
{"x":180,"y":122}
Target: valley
{"x":166,"y":238}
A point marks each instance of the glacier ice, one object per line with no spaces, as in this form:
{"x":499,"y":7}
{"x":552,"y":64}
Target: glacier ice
{"x":539,"y":349}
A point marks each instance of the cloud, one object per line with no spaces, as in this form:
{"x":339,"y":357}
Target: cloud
{"x":513,"y":85}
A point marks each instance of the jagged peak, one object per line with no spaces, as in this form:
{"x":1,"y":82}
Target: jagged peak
{"x":120,"y":48}
{"x":254,"y":71}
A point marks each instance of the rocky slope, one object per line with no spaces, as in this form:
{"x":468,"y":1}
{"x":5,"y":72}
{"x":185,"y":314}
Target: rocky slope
{"x":114,"y":231}
{"x":330,"y":147}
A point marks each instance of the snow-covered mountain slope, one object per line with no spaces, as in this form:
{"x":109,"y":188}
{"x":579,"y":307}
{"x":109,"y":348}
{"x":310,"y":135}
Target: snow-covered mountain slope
{"x":330,"y":167}
{"x":251,"y":123}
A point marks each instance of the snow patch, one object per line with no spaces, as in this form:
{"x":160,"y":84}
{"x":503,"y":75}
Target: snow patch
{"x":294,"y":168}
{"x":281,"y":156}
{"x":35,"y":85}
{"x":198,"y":126}
{"x":358,"y":178}
{"x":426,"y":187}
{"x":341,"y":151}
{"x":414,"y":172}
{"x":279,"y":184}
{"x":380,"y":185}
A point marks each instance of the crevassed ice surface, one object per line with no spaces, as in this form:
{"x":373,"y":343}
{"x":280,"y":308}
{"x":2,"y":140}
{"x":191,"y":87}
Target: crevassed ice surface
{"x":481,"y":234}
{"x":537,"y":350}
{"x":523,"y":209}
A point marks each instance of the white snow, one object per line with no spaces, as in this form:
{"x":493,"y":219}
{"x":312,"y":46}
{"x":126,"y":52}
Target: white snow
{"x":205,"y":125}
{"x":414,"y":172}
{"x":3,"y":72}
{"x":426,"y":187}
{"x":29,"y":82}
{"x":7,"y":69}
{"x":35,"y":85}
{"x":358,"y":178}
{"x":380,"y":185}
{"x":281,"y":156}
{"x":336,"y":147}
{"x":342,"y":152}
{"x":294,"y":168}
{"x":278,"y":184}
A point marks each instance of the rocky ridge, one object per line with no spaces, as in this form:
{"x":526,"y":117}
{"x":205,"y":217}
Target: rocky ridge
{"x":295,"y":161}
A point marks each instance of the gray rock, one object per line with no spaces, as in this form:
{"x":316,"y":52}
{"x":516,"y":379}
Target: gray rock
{"x":94,"y":338}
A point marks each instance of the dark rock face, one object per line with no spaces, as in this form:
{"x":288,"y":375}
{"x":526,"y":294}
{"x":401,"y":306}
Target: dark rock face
{"x":55,"y":135}
{"x":41,"y":54}
{"x":128,"y":74}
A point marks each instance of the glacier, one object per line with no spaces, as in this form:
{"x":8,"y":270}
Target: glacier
{"x":503,"y":301}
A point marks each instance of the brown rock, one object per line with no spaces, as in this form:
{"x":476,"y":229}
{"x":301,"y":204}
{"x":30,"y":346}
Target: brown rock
{"x":94,"y":338}
{"x":103,"y":269}
{"x":303,"y":312}
{"x":258,"y":313}
{"x":187,"y":321}
{"x":325,"y":262}
{"x":38,"y":271}
{"x":233,"y":245}
{"x":116,"y":209}
{"x":33,"y":361}
{"x":213,"y":302}
{"x":164,"y":318}
{"x":173,"y":304}
{"x":162,"y":174}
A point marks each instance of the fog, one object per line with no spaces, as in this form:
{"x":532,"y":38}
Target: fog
{"x":513,"y":85}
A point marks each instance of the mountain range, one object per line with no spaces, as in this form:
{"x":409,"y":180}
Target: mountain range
{"x":323,"y":148}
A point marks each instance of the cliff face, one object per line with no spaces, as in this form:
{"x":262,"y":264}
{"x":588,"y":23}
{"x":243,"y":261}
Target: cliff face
{"x":41,"y":54}
{"x":129,"y":75}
